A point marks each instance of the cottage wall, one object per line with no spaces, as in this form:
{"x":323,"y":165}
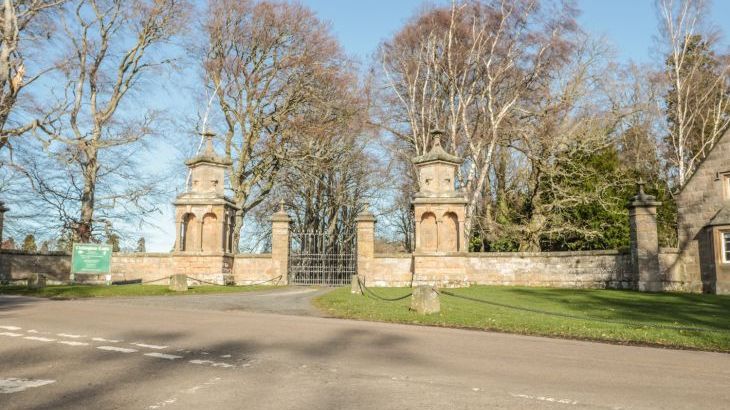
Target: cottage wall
{"x":702,"y":197}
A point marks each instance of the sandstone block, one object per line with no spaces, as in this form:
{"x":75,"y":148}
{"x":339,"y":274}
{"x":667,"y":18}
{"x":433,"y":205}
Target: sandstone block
{"x":425,"y":300}
{"x":36,"y":281}
{"x":179,"y":283}
{"x":355,"y":286}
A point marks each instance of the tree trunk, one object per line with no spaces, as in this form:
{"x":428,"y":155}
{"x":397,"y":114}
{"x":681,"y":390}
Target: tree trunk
{"x":86,"y":221}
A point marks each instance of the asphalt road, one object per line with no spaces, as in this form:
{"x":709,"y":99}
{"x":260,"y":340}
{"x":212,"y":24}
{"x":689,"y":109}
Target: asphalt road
{"x":184,"y":353}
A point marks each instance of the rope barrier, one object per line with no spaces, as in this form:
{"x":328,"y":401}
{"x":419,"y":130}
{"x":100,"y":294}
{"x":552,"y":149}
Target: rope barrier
{"x":203,"y":281}
{"x":153,"y":281}
{"x":569,"y":316}
{"x":376,"y":296}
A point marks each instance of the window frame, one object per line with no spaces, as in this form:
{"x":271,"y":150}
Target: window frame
{"x":724,"y":251}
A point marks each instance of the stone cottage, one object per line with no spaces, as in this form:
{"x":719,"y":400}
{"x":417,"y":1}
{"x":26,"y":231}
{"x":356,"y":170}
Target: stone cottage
{"x":703,"y":206}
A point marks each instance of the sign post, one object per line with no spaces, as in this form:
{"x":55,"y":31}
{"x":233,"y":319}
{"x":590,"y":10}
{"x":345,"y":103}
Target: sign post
{"x":91,"y":259}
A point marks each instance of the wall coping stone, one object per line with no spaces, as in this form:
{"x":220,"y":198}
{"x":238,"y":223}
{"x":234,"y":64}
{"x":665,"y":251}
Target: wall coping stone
{"x":252,"y":256}
{"x":669,"y":250}
{"x":37,"y":253}
{"x":524,"y":254}
{"x":394,"y":255}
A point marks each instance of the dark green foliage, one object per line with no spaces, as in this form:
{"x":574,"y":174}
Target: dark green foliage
{"x":29,"y":244}
{"x":113,"y":240}
{"x":141,"y":246}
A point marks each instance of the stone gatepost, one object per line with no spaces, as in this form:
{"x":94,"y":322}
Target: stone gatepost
{"x":3,"y":209}
{"x":280,"y":243}
{"x":644,"y":241}
{"x":365,"y":241}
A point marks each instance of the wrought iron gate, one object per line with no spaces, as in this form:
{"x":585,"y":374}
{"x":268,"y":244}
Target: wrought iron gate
{"x":314,"y":259}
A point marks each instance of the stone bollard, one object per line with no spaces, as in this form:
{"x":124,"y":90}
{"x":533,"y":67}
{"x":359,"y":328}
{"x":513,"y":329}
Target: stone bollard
{"x":179,"y":283}
{"x":355,"y":286}
{"x":36,"y":281}
{"x":425,"y":300}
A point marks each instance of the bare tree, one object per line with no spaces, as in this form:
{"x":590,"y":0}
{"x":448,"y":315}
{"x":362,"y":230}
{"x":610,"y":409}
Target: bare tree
{"x":698,"y":100}
{"x":111,"y":50}
{"x":18,"y":35}
{"x":465,"y":69}
{"x":568,"y":138}
{"x":265,"y":61}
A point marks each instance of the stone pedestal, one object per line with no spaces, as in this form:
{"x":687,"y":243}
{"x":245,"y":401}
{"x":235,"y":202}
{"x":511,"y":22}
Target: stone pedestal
{"x":645,"y":241}
{"x":355,"y":286}
{"x":36,"y":281}
{"x":425,"y":300}
{"x":179,"y":283}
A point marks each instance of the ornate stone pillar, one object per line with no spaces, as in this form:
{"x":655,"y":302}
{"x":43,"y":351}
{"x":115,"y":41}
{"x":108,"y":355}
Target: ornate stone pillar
{"x":644,"y":241}
{"x":178,"y":235}
{"x":462,"y":245}
{"x":224,"y":233}
{"x":280,"y":243}
{"x":200,"y":234}
{"x":365,"y":241}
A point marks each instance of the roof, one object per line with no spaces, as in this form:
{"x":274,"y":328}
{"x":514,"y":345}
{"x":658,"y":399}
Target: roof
{"x":722,"y":217}
{"x":701,"y":163}
{"x":437,"y":153}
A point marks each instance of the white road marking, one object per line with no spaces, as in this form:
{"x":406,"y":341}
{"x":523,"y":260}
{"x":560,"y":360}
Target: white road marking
{"x":10,"y":327}
{"x":163,"y":356}
{"x":101,"y":339}
{"x":69,"y":336}
{"x":210,"y":382}
{"x":13,"y":385}
{"x":11,"y":334}
{"x":117,"y":349}
{"x":150,"y":346}
{"x":163,"y":403}
{"x":225,"y":356}
{"x":212,"y":363}
{"x":545,"y":398}
{"x":72,"y":343}
{"x":40,"y":339}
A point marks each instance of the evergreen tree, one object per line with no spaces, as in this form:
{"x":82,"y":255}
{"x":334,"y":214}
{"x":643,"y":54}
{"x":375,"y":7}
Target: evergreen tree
{"x":113,"y":240}
{"x":29,"y":244}
{"x":141,"y":247}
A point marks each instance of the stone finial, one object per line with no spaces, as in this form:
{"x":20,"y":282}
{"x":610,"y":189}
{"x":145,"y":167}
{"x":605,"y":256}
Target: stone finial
{"x":436,"y":136}
{"x":642,"y":198}
{"x":281,"y":215}
{"x":3,"y":208}
{"x":209,"y":148}
{"x":365,"y":215}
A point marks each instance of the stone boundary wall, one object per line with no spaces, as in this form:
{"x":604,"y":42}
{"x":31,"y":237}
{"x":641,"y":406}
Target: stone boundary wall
{"x":216,"y":268}
{"x":583,"y":269}
{"x":674,"y":268}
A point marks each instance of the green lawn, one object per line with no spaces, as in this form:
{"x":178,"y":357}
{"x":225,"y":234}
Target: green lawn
{"x":641,"y":311}
{"x":95,"y":291}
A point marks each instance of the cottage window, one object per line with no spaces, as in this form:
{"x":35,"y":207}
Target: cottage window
{"x":726,"y":247}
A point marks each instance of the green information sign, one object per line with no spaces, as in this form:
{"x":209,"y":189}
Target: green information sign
{"x":90,"y":258}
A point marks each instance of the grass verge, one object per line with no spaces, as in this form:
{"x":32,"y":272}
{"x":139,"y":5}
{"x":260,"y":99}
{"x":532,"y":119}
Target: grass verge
{"x":97,"y":291}
{"x":591,"y":312}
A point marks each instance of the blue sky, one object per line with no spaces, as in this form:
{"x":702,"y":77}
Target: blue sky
{"x":361,"y":25}
{"x":630,"y":26}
